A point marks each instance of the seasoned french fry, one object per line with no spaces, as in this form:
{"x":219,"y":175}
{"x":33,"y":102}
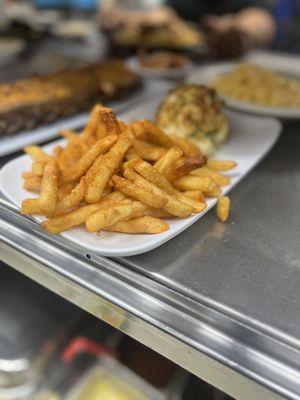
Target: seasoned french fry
{"x":91,"y":127}
{"x":151,"y":174}
{"x":33,"y":184}
{"x":195,"y":194}
{"x":182,"y":167}
{"x":74,"y":198}
{"x":37,"y":154}
{"x":75,"y":138}
{"x":150,"y":153}
{"x":144,"y":196}
{"x":223,"y":207}
{"x":223,"y":165}
{"x":122,"y":126}
{"x":138,"y":129}
{"x":70,"y":155}
{"x":219,"y":179}
{"x":156,"y":134}
{"x":188,"y":182}
{"x":145,"y":224}
{"x":112,"y":214}
{"x":131,"y":155}
{"x":30,"y":206}
{"x":65,"y":189}
{"x":215,"y":192}
{"x":110,"y":163}
{"x":78,"y":216}
{"x":188,"y":148}
{"x":57,"y":151}
{"x":38,"y":167}
{"x":173,"y":206}
{"x":85,"y":162}
{"x":49,"y":186}
{"x":109,"y":120}
{"x":101,"y":131}
{"x":168,"y":159}
{"x":29,"y":175}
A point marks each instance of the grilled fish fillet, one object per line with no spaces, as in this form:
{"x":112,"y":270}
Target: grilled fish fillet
{"x":30,"y":102}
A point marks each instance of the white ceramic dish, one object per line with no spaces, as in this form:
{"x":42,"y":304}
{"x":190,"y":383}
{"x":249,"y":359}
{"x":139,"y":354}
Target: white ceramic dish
{"x":251,"y":138}
{"x":11,"y":144}
{"x":288,"y":66}
{"x":170,"y":73}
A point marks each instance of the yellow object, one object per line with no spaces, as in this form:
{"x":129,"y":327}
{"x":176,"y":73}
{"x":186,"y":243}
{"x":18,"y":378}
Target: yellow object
{"x":257,"y":85}
{"x":103,"y":387}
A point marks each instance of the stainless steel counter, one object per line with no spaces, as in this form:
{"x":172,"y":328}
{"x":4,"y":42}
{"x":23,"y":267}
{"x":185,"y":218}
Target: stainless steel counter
{"x":222,"y":300}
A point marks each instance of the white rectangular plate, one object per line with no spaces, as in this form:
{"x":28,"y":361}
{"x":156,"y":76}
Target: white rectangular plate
{"x":251,"y":138}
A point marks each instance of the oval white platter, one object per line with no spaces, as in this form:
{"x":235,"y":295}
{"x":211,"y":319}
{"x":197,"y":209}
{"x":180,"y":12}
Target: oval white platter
{"x":288,"y":66}
{"x":251,"y":138}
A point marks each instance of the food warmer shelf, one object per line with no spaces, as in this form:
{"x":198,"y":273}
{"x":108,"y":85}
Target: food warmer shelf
{"x":221,"y":300}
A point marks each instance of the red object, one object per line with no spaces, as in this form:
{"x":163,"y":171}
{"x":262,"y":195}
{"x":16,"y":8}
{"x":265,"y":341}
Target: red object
{"x":84,"y":345}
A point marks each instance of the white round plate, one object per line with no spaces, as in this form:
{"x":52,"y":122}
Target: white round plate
{"x":206,"y":74}
{"x":170,"y":73}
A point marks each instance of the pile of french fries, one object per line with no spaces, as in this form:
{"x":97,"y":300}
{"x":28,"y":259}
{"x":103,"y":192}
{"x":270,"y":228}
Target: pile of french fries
{"x":121,"y":178}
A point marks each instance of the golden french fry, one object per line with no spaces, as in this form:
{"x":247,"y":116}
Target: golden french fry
{"x":85,"y":162}
{"x":131,"y":155}
{"x":110,"y":164}
{"x":112,"y":214}
{"x":65,"y":189}
{"x":70,"y":155}
{"x":75,"y":138}
{"x":37,"y":154}
{"x":57,"y":151}
{"x":223,"y":207}
{"x":109,"y":120}
{"x":122,"y":126}
{"x":101,"y":131}
{"x":74,"y":198}
{"x":219,"y":179}
{"x":151,"y":174}
{"x":144,"y":196}
{"x":182,"y":167}
{"x":38,"y":167}
{"x":29,"y":175}
{"x":168,"y":159}
{"x":91,"y":127}
{"x":145,"y":224}
{"x":188,"y":182}
{"x":218,"y":165}
{"x":156,"y":134}
{"x":196,"y":195}
{"x":173,"y":206}
{"x":79,"y":215}
{"x":138,"y":129}
{"x":150,"y":153}
{"x":188,"y":148}
{"x":30,"y":206}
{"x":49,"y":186}
{"x":215,"y":192}
{"x":33,"y":184}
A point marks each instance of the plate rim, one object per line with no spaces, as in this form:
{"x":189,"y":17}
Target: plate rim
{"x":242,"y":106}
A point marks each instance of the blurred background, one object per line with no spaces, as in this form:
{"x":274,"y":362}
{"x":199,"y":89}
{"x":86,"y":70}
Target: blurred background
{"x":93,"y":29}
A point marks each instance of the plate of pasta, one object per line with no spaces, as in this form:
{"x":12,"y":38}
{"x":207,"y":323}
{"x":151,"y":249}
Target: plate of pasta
{"x":254,"y":88}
